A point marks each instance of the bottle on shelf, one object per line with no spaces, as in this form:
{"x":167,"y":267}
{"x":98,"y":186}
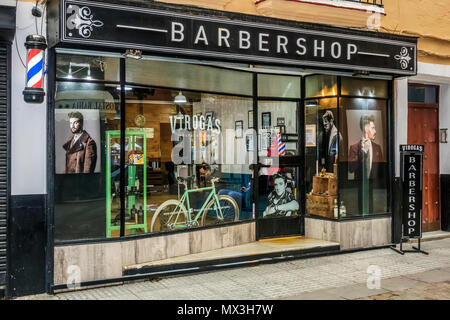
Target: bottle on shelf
{"x":136,"y":185}
{"x":343,"y":209}
{"x":140,"y":215}
{"x":134,"y":214}
{"x":335,"y":209}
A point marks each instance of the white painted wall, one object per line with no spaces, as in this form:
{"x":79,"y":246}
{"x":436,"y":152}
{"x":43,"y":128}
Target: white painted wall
{"x":400,"y":118}
{"x":28,"y":121}
{"x":444,"y":122}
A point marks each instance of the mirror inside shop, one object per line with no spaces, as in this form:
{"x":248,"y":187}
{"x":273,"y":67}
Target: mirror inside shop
{"x":191,"y":137}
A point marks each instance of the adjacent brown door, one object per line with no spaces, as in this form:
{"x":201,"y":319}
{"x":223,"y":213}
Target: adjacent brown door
{"x":423,"y":128}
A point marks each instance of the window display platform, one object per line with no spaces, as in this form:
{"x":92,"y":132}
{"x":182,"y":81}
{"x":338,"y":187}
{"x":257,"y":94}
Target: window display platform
{"x":258,"y":251}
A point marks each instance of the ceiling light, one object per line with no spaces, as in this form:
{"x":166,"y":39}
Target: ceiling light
{"x":89,"y":73}
{"x":126,"y":88}
{"x":69,"y":76}
{"x":361,"y":73}
{"x":311,"y":104}
{"x":133,"y":54}
{"x":180,"y":99}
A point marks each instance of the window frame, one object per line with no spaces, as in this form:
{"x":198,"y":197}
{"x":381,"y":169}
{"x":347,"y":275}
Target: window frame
{"x":52,"y":80}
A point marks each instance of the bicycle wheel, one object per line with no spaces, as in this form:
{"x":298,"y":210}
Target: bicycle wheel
{"x":229,"y":208}
{"x":169,"y":215}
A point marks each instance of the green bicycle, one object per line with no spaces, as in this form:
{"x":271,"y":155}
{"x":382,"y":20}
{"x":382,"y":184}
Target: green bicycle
{"x":177,"y":214}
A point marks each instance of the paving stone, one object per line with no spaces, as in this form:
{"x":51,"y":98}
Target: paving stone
{"x":399,"y":283}
{"x":431,"y":276}
{"x":433,"y":291}
{"x":355,"y":291}
{"x":315,"y":295}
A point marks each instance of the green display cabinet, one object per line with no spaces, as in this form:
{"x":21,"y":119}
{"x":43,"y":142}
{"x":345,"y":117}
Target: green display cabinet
{"x":136,"y":188}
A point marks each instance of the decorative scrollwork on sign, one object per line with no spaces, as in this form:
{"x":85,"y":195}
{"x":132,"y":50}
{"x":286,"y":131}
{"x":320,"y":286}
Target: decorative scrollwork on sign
{"x":81,"y":19}
{"x":403,"y":57}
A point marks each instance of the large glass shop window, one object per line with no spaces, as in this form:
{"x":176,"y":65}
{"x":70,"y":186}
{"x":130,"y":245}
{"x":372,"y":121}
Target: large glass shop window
{"x":323,"y":141}
{"x":278,"y":194}
{"x":364,"y":177}
{"x":193,"y":145}
{"x":84,"y":114}
{"x":346,"y":147}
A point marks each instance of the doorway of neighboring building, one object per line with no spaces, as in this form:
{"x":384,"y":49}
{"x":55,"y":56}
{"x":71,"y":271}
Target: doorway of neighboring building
{"x":423,"y":129}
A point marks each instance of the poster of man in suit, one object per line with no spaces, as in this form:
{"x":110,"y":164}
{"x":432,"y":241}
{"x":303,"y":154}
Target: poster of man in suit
{"x":77,"y":132}
{"x":366,"y":155}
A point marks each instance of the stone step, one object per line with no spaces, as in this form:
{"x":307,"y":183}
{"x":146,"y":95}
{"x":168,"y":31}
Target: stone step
{"x":432,"y":235}
{"x":262,"y":250}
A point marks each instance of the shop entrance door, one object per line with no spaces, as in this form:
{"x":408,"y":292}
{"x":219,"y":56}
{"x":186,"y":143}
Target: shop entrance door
{"x":279,"y":187}
{"x":423,"y":128}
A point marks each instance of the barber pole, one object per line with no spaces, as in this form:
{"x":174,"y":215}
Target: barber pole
{"x":36,"y":45}
{"x":281,"y":146}
{"x":35,"y":68}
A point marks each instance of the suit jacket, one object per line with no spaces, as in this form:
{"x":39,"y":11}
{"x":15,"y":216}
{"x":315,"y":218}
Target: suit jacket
{"x":328,"y":149}
{"x":357,"y":156}
{"x":82,"y":156}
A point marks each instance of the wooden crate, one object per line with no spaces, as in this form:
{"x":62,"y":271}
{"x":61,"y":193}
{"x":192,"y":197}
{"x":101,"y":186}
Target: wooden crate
{"x":320,"y":205}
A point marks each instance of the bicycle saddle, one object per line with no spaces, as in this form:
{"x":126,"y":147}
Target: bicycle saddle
{"x":183,"y":180}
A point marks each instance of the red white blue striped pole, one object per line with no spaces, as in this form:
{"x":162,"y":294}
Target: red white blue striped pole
{"x":36,"y":45}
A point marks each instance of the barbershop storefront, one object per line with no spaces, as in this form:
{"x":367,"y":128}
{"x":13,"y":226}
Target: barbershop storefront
{"x":177,"y":131}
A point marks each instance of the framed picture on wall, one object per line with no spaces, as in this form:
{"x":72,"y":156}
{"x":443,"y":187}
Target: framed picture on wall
{"x":238,"y":127}
{"x":266,"y":140}
{"x":266,"y":120}
{"x":249,"y":142}
{"x":250,"y":119}
{"x":310,"y":135}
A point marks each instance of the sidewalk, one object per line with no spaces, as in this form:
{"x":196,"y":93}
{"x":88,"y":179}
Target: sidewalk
{"x":342,"y":276}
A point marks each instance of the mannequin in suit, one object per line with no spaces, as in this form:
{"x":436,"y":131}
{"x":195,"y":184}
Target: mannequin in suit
{"x":329,"y":141}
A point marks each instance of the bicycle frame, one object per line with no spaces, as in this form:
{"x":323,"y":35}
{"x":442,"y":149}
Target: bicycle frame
{"x":185,"y":201}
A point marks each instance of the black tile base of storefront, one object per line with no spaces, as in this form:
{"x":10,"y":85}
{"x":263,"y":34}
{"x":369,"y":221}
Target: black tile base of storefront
{"x":26,"y":245}
{"x":445,"y":201}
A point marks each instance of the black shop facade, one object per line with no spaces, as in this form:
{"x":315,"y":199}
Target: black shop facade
{"x":177,"y":133}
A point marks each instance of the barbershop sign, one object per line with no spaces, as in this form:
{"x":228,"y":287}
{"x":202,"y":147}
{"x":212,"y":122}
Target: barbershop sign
{"x":243,"y":39}
{"x":411,"y":169}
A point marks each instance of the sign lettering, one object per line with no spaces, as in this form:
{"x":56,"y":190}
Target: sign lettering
{"x":411,"y":163}
{"x":245,"y":39}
